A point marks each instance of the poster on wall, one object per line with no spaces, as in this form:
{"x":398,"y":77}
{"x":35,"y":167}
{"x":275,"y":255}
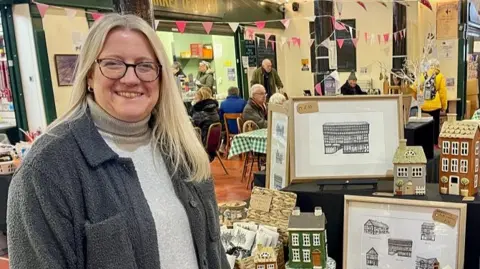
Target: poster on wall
{"x":447,"y":17}
{"x":231,"y":73}
{"x":398,"y":233}
{"x":332,"y":55}
{"x":446,"y":49}
{"x":65,"y":67}
{"x":305,"y":66}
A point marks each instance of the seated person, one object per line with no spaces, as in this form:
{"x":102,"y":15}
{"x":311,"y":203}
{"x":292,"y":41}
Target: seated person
{"x":205,"y":113}
{"x":233,"y":104}
{"x":277,"y":99}
{"x":256,"y":110}
{"x":350,"y":87}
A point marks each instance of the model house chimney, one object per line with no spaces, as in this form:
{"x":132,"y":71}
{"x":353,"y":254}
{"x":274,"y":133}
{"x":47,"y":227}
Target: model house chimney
{"x":402,"y":144}
{"x":451,"y":117}
{"x":318,"y":211}
{"x":296,"y":211}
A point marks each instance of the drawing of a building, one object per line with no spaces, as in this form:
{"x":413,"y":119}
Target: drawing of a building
{"x":351,"y":137}
{"x":372,"y":257}
{"x":277,"y":182}
{"x":280,"y":130}
{"x":428,"y":231}
{"x":375,"y":227}
{"x":279,"y":157}
{"x":422,"y":263}
{"x":400,"y":247}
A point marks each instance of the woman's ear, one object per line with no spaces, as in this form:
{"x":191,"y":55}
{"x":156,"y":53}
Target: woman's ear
{"x":90,"y":79}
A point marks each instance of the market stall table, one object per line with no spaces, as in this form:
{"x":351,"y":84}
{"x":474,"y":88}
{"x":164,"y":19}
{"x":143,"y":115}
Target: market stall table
{"x":332,"y":202}
{"x":255,"y":141}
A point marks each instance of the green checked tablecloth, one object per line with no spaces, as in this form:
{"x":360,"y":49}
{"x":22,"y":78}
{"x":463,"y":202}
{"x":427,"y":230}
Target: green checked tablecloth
{"x":255,"y":141}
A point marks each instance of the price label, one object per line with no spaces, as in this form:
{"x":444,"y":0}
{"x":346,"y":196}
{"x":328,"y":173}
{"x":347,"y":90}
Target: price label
{"x":445,"y":217}
{"x":307,"y":107}
{"x":260,"y":202}
{"x":420,"y":99}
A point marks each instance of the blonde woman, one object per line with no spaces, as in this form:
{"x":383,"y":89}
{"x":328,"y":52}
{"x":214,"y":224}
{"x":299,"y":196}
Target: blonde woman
{"x":205,"y":76}
{"x":118,"y":182}
{"x":277,"y":99}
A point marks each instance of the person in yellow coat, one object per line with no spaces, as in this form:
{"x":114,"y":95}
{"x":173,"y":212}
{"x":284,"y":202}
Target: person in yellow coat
{"x":433,"y":86}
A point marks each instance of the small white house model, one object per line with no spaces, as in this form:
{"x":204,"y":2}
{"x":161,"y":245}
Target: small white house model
{"x":410,"y":171}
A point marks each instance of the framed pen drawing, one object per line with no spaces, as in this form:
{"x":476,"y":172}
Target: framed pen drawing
{"x":277,"y":176}
{"x":344,"y":136}
{"x":402,"y":233}
{"x":65,"y":67}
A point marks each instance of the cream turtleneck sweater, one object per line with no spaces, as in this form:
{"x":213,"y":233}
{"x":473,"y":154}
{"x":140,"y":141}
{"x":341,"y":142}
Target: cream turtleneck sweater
{"x":133,"y":140}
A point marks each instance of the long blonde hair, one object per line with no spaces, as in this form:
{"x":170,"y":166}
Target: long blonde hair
{"x":172,"y":129}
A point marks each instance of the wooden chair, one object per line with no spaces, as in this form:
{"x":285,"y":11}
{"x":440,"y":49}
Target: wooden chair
{"x":214,"y":140}
{"x":229,"y":136}
{"x":249,"y":126}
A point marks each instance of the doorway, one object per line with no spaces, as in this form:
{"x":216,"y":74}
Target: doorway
{"x":317,"y":258}
{"x":454,"y":189}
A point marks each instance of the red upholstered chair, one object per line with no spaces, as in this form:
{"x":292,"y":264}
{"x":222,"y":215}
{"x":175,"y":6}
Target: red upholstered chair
{"x":214,"y":140}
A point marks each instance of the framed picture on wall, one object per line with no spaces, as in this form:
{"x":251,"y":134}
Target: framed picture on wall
{"x":65,"y":67}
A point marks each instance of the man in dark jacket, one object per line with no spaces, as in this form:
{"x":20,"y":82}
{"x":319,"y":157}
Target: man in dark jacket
{"x":233,"y":104}
{"x":351,"y":87}
{"x":268,"y":77}
{"x":256,"y":110}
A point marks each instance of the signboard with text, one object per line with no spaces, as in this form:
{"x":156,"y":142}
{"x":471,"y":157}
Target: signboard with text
{"x":211,"y":8}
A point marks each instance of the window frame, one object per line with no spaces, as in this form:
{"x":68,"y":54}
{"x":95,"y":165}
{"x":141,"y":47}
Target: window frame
{"x":475,"y":181}
{"x":306,"y":243}
{"x":455,"y":150}
{"x":454,"y":165}
{"x":295,"y":238}
{"x":464,"y":149}
{"x":306,"y":254}
{"x":317,"y":236}
{"x":445,"y":164}
{"x":296,"y":252}
{"x":418,"y":173}
{"x":446,"y":147}
{"x":402,"y":171}
{"x":477,"y":148}
{"x":347,"y":45}
{"x":463,"y":166}
{"x":399,"y":46}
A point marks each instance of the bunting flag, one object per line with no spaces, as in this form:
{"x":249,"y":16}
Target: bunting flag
{"x":286,"y":23}
{"x":267,"y":37}
{"x":260,"y":24}
{"x":312,"y":18}
{"x":366,"y":37}
{"x":157,"y":22}
{"x":401,"y":34}
{"x":283,"y":40}
{"x":337,"y":25}
{"x":404,"y":31}
{"x":339,"y":7}
{"x":350,"y":30}
{"x":372,"y":39}
{"x":355,"y":42}
{"x":427,"y":4}
{"x":312,"y":41}
{"x":395,"y":36}
{"x":71,"y":12}
{"x":335,"y":76}
{"x":96,"y":16}
{"x":383,"y":3}
{"x":296,"y":41}
{"x":318,"y":89}
{"x":273,"y":44}
{"x":42,"y":8}
{"x":340,"y":43}
{"x":288,"y":42}
{"x":386,"y":37}
{"x":379,"y":39}
{"x":326,"y":43}
{"x":362,"y":5}
{"x":249,"y":34}
{"x":234,"y":26}
{"x":181,"y":25}
{"x":207,"y":26}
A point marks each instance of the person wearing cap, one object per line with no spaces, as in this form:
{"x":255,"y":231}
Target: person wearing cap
{"x":351,"y":87}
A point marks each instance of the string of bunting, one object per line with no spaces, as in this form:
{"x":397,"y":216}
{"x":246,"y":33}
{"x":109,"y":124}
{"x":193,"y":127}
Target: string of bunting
{"x":260,"y":25}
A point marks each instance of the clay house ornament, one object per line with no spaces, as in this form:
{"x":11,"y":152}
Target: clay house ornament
{"x":307,"y":239}
{"x":459,"y":158}
{"x":410,"y":169}
{"x":265,"y":258}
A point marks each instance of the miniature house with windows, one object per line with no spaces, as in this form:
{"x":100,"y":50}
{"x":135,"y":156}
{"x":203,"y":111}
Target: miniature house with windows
{"x":265,"y":258}
{"x":459,"y":159}
{"x":410,"y":164}
{"x":307,"y":239}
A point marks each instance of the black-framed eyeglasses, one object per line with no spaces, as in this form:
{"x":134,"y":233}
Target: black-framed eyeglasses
{"x":116,"y":69}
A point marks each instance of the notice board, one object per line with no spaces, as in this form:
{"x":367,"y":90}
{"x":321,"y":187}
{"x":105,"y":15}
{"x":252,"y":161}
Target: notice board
{"x":251,"y":52}
{"x":266,"y":52}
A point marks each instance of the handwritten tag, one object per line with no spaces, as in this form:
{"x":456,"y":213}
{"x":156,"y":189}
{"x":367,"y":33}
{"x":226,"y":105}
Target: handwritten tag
{"x":445,"y":217}
{"x":261,"y":202}
{"x":307,"y":107}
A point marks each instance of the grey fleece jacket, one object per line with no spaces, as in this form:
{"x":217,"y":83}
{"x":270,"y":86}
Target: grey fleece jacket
{"x":74,"y":203}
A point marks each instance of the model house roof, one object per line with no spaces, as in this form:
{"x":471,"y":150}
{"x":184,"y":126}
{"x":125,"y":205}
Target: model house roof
{"x":264,"y":254}
{"x":409,"y":154}
{"x":306,"y":222}
{"x":376,"y":223}
{"x":372,"y":251}
{"x":459,"y":129}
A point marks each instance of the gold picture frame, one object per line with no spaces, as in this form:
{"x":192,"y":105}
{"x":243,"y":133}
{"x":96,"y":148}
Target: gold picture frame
{"x":272,"y":123}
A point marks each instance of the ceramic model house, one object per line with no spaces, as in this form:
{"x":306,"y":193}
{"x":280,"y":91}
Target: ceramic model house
{"x":422,"y":263}
{"x":307,"y":239}
{"x":410,"y":164}
{"x":459,"y":159}
{"x":372,"y":257}
{"x":265,"y":258}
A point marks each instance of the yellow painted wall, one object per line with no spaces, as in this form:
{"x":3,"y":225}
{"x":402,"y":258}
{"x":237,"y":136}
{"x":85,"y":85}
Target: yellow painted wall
{"x":58,"y":32}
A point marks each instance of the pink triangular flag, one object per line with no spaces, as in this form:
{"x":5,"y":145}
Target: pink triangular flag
{"x":286,"y":23}
{"x":260,"y":24}
{"x":340,"y":42}
{"x":401,"y":34}
{"x":312,"y":41}
{"x":42,"y":8}
{"x":70,"y":13}
{"x":299,"y":41}
{"x":207,"y":26}
{"x":96,"y":16}
{"x":318,"y":89}
{"x":366,"y":37}
{"x":386,"y":37}
{"x":362,"y":5}
{"x":338,"y":26}
{"x":273,"y":44}
{"x":380,"y":39}
{"x":355,"y":41}
{"x":395,"y":36}
{"x":250,"y":34}
{"x":267,"y":37}
{"x":181,"y":25}
{"x":427,"y":4}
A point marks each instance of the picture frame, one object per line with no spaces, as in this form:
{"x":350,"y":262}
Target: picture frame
{"x":317,"y":151}
{"x":65,"y":65}
{"x":402,"y":233}
{"x":277,"y":172}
